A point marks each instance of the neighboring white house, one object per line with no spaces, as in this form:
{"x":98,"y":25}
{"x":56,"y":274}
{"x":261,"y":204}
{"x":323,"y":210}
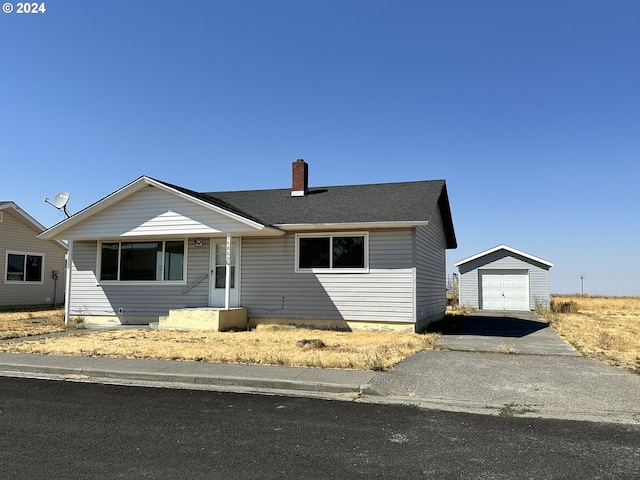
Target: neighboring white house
{"x":503,"y":278}
{"x":350,"y":257}
{"x":33,"y":269}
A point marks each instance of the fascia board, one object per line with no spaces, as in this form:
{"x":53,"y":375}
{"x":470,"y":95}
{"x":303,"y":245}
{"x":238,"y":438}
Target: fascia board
{"x":507,"y":248}
{"x":30,"y":220}
{"x":129,"y":189}
{"x":14,"y":206}
{"x":308,"y":227}
{"x":97,"y":207}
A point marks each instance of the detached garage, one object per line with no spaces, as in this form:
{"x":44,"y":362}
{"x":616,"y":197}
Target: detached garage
{"x":503,"y":278}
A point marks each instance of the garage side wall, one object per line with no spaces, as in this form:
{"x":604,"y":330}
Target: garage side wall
{"x":469,"y":277}
{"x":468,"y":288}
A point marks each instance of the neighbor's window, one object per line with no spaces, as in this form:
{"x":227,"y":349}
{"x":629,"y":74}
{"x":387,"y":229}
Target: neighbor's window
{"x":24,"y":267}
{"x":142,"y":261}
{"x":332,"y":252}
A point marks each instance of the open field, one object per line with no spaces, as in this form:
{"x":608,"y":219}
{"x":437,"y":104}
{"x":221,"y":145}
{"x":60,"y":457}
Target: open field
{"x":272,"y":345}
{"x":604,"y":328}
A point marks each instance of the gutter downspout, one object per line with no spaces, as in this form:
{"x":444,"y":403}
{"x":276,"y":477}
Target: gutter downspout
{"x":67,"y":287}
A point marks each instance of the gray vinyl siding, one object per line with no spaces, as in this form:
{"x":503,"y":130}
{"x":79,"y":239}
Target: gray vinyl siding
{"x":469,"y":288}
{"x":385,"y":293}
{"x":154,"y":212}
{"x":431,"y":270}
{"x":89,"y":297}
{"x":539,"y":287}
{"x":18,"y":236}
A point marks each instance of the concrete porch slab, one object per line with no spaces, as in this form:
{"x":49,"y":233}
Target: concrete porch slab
{"x":207,"y":319}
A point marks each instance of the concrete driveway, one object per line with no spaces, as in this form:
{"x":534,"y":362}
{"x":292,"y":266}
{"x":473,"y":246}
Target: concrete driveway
{"x":514,"y":364}
{"x":504,"y":332}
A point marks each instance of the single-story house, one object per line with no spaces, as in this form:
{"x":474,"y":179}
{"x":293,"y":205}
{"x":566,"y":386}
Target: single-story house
{"x":503,"y":278}
{"x":348,"y":257}
{"x":33,"y":269}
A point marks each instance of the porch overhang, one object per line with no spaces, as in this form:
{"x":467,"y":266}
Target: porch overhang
{"x":177,"y":235}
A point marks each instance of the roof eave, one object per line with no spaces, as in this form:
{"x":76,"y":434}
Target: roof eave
{"x":30,"y":220}
{"x":507,"y":248}
{"x":131,"y":188}
{"x":447,"y":218}
{"x":14,"y":206}
{"x":310,"y":227}
{"x":94,"y":208}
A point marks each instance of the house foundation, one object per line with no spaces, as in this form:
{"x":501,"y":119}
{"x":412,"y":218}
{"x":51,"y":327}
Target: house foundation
{"x":340,"y":325}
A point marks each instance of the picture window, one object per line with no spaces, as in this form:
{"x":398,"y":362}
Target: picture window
{"x":337,"y":252}
{"x":157,"y":261}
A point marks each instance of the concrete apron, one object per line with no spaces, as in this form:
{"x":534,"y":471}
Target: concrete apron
{"x":511,"y":363}
{"x":505,"y":332}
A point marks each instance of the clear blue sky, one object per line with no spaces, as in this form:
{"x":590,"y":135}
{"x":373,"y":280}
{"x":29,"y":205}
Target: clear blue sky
{"x":529,"y":109}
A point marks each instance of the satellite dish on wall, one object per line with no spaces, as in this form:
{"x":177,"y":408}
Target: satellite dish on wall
{"x":60,"y":202}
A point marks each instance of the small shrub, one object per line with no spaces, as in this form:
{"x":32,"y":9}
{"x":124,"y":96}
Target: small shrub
{"x":564,"y":307}
{"x":543,"y":312}
{"x":375,"y":362}
{"x":311,"y":343}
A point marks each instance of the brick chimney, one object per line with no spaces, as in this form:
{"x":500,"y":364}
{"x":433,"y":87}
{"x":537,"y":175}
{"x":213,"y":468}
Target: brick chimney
{"x":300,"y":176}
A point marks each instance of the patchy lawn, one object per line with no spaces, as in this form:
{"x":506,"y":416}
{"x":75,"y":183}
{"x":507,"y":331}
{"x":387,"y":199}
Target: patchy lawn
{"x":604,"y":328}
{"x":268,"y":344}
{"x":26,"y":323}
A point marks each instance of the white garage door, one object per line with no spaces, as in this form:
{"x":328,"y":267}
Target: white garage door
{"x":504,"y":290}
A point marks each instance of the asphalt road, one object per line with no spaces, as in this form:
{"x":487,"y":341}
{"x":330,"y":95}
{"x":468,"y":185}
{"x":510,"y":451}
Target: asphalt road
{"x":71,"y":430}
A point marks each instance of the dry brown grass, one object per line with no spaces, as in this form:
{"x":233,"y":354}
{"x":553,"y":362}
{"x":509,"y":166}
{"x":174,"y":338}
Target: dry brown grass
{"x":605,"y":328}
{"x":455,"y":310}
{"x":26,"y":323}
{"x":269,"y":345}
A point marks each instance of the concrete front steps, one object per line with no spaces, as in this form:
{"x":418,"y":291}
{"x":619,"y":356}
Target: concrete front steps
{"x":209,"y":319}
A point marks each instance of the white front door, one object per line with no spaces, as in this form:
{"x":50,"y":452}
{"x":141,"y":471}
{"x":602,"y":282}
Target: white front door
{"x":219,"y":271}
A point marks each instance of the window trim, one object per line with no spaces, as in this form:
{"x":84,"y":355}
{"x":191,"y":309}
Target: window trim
{"x":331,"y":268}
{"x":25,"y":281}
{"x":142,"y":282}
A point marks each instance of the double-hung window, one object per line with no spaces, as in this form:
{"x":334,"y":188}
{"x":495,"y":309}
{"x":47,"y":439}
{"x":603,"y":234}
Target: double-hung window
{"x":155,"y":261}
{"x":340,"y":252}
{"x":24,"y":267}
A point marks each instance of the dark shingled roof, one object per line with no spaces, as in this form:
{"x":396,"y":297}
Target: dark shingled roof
{"x":382,"y":202}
